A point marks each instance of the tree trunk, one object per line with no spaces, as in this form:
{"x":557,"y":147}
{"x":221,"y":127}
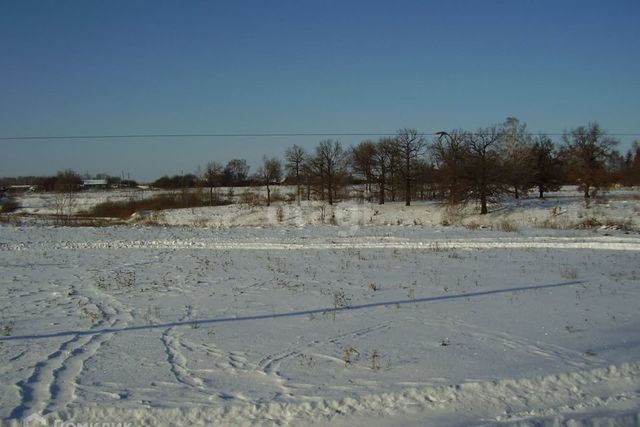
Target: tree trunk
{"x":408,"y":195}
{"x":383,"y":183}
{"x":515,"y":188}
{"x":211,"y":196}
{"x":268,"y":195}
{"x":408,"y":183}
{"x":586,"y":191}
{"x":393,"y":187}
{"x":483,"y":204}
{"x":541,"y":193}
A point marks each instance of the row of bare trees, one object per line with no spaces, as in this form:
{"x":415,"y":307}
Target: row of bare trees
{"x":457,"y":166}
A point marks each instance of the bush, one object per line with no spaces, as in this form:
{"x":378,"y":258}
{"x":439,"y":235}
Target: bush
{"x":588,"y":223}
{"x":251,"y":198}
{"x":507,"y":226}
{"x":9,"y":206}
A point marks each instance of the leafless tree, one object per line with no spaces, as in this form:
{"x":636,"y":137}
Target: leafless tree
{"x":470,"y":166}
{"x":362,"y":159}
{"x":546,"y":165}
{"x":213,"y":177}
{"x":270,"y":173}
{"x":382,"y":164}
{"x":588,"y":148}
{"x":329,"y":165}
{"x":450,"y":153}
{"x":410,"y":145}
{"x":66,"y":187}
{"x":485,"y":171}
{"x":631,"y":165}
{"x":389,"y":154}
{"x":235,"y":173}
{"x":295,"y":157}
{"x":517,"y":160}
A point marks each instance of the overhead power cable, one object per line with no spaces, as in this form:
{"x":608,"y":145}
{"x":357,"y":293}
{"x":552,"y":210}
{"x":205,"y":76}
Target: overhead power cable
{"x":247,"y":135}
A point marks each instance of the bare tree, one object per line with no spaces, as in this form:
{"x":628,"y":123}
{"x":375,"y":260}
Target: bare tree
{"x":424,"y":179}
{"x":235,"y":173}
{"x":66,"y":186}
{"x":451,"y":153}
{"x":631,"y":165}
{"x":517,"y":156}
{"x":588,"y":148}
{"x":410,"y":145}
{"x":362,"y":159}
{"x":469,"y":165}
{"x":546,"y":165}
{"x":213,"y":178}
{"x":329,"y":165}
{"x":295,"y":157}
{"x":380,"y":169}
{"x":270,"y":173}
{"x":485,"y":171}
{"x":387,"y":166}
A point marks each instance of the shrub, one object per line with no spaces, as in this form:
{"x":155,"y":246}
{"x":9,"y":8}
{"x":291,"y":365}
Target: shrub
{"x":472,"y":225}
{"x":453,"y":214}
{"x":252,"y":199}
{"x":8,"y":207}
{"x":507,"y":226}
{"x":588,"y":223}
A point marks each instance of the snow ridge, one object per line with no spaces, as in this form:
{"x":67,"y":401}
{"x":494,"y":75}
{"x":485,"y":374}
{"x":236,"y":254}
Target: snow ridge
{"x":593,"y":243}
{"x":484,"y":403}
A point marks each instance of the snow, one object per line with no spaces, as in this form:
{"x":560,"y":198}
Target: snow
{"x":257,"y":317}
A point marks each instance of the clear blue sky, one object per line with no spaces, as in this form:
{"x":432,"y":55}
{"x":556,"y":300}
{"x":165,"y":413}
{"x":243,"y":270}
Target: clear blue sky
{"x":124,"y":67}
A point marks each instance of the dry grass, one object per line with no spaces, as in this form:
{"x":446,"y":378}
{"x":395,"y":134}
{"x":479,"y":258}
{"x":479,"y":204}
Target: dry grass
{"x":125,"y":209}
{"x":507,"y":226}
{"x":587,"y":223}
{"x":568,"y":272}
{"x":251,"y":198}
{"x":472,"y":225}
{"x":452,"y":215}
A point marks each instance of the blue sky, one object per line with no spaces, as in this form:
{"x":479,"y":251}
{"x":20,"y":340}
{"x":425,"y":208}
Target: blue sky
{"x":127,"y":67}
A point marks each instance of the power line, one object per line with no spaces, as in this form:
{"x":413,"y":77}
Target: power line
{"x":246,"y":135}
{"x":197,"y":135}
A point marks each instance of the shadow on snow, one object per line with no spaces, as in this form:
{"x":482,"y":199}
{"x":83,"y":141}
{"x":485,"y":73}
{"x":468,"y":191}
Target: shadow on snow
{"x":202,"y":322}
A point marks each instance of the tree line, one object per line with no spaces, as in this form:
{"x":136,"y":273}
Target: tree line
{"x":67,"y":180}
{"x":457,"y":166}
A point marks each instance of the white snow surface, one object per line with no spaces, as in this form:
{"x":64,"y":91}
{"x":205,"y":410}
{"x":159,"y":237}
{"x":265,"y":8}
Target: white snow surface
{"x":311,"y":324}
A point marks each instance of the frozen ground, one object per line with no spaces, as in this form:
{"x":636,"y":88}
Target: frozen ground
{"x":340,"y":325}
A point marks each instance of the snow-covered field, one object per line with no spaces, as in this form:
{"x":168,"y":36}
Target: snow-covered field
{"x":286,"y":321}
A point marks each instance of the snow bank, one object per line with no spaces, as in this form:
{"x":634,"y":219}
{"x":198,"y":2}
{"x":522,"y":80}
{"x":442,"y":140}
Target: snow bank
{"x":571,"y":399}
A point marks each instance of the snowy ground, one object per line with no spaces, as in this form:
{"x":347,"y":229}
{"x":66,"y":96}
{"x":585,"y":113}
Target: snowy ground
{"x":266,"y":316}
{"x":566,"y":209}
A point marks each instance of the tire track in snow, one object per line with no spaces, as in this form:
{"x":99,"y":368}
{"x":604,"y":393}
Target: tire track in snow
{"x":177,"y":360}
{"x":53,"y":382}
{"x":570,"y":357}
{"x":271,"y":363}
{"x":35,"y":391}
{"x":65,"y":378}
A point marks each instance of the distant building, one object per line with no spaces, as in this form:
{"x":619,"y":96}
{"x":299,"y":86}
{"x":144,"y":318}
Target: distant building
{"x":21,"y":188}
{"x":97,"y":184}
